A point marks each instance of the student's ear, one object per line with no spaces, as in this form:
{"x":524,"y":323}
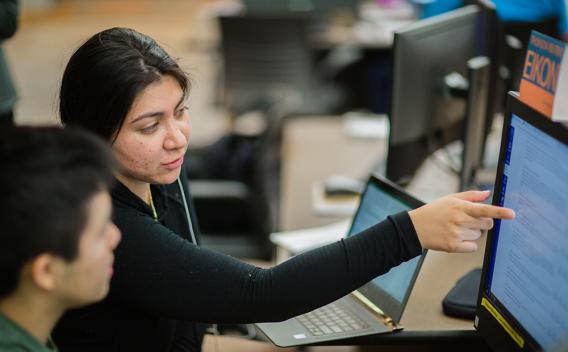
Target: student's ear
{"x":43,"y":271}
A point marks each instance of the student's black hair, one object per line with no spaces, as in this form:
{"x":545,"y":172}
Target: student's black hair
{"x":48,"y":177}
{"x":106,"y":74}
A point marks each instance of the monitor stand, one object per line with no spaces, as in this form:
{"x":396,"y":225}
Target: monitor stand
{"x":475,"y":119}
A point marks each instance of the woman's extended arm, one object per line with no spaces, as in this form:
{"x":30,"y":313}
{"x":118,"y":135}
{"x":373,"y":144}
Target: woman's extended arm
{"x":158,"y":272}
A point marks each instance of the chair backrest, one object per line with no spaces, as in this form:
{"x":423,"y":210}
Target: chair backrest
{"x":313,"y":8}
{"x":263,"y":55}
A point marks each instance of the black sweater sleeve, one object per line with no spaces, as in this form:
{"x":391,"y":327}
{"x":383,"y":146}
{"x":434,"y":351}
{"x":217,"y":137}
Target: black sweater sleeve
{"x":162,"y":274}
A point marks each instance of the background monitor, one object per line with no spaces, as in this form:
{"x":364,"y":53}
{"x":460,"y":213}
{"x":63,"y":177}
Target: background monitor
{"x":523,"y":297}
{"x":426,"y":113}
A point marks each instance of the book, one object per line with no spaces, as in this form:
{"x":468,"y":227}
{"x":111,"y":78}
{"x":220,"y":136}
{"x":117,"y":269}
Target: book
{"x":544,"y":79}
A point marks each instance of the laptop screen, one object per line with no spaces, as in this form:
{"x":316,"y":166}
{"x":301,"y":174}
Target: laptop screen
{"x":380,"y":200}
{"x":528,"y":268}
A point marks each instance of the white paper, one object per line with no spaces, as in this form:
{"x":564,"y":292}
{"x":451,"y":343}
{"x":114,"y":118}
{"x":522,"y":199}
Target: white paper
{"x":358,"y":125}
{"x":302,"y":240}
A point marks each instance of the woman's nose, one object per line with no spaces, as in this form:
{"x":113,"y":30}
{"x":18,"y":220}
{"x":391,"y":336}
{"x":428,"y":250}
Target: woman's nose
{"x":176,"y":138}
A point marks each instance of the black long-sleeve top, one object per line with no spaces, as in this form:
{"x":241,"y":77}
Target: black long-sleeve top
{"x":163,"y":283}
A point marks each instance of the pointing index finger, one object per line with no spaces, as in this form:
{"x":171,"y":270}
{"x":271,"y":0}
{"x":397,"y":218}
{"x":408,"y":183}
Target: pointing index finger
{"x":489,"y":211}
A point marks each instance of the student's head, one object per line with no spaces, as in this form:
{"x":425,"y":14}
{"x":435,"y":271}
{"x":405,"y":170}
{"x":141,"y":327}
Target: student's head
{"x":57,"y":236}
{"x":121,"y":85}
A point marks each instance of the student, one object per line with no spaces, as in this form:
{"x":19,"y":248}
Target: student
{"x":57,"y":237}
{"x":124,"y":87}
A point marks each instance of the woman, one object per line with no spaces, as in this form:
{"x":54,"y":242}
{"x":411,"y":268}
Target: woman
{"x":122,"y":86}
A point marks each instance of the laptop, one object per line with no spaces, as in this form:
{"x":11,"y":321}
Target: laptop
{"x":523,"y":296}
{"x":374,"y":308}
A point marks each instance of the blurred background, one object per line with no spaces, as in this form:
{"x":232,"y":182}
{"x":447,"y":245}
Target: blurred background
{"x":50,"y":30}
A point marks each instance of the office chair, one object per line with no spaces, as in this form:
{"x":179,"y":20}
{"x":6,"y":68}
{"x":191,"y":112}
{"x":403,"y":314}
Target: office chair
{"x":268,"y":67}
{"x":270,"y":57}
{"x":235,"y":188}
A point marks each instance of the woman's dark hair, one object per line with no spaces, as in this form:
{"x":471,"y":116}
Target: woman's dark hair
{"x":48,"y":177}
{"x":106,"y":74}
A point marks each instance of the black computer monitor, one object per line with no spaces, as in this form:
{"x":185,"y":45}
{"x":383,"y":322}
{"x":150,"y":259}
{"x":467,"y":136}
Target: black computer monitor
{"x":485,"y":91}
{"x":426,"y":114}
{"x":523,"y":296}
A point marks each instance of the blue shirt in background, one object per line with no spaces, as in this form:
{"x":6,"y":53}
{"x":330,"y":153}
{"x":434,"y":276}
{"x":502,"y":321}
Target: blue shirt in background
{"x":507,"y":10}
{"x":532,"y":11}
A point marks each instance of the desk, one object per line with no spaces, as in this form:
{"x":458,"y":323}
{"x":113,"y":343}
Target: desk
{"x":314,"y":148}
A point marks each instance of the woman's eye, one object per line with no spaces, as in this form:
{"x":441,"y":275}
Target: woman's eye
{"x":150,"y":129}
{"x":181,"y":111}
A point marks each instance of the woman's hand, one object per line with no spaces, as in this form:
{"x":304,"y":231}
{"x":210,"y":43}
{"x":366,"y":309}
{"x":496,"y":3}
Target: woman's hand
{"x":453,"y":223}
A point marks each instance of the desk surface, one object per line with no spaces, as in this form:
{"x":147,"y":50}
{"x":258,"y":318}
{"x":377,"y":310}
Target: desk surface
{"x":314,"y":148}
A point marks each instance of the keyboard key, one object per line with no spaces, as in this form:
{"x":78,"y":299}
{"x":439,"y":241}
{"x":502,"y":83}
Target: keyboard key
{"x":332,"y":319}
{"x":336,"y":328}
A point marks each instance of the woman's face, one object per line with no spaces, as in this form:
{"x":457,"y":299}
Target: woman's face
{"x":152,"y":142}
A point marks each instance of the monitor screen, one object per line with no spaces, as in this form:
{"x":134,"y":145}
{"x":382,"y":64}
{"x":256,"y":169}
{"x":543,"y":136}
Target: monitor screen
{"x":528,"y":269}
{"x":378,"y":204}
{"x":380,"y":200}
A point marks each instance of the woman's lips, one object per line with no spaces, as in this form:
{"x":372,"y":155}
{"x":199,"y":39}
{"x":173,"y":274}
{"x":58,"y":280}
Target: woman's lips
{"x":174,"y":164}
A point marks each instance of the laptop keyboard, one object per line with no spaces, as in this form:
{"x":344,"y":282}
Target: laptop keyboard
{"x":331,"y":319}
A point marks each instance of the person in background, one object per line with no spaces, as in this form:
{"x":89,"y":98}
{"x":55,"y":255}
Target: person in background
{"x":57,"y":237}
{"x":519,"y":17}
{"x":8,"y":97}
{"x":121,"y":85}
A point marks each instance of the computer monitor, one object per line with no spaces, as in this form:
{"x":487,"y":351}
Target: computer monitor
{"x":425,"y":114}
{"x":523,"y":296}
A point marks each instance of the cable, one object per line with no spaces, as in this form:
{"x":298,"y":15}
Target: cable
{"x":189,"y":222}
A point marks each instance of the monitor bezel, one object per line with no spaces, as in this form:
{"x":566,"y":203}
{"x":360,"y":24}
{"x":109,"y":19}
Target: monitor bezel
{"x":389,"y":305}
{"x":492,"y":332}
